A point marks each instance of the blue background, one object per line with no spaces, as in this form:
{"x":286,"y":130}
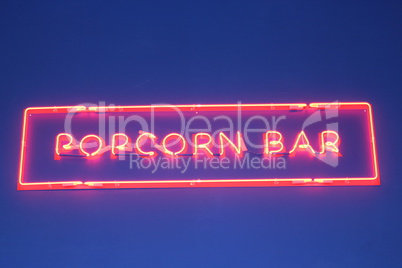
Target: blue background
{"x":143,"y":52}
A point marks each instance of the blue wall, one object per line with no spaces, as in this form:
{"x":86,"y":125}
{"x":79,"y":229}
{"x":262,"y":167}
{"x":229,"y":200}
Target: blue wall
{"x":143,"y":52}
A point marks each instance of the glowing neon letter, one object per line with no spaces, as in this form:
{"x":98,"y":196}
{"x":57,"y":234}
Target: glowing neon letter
{"x":178,"y":136}
{"x":327,"y":145}
{"x":305,"y":145}
{"x":204,"y":146}
{"x":101,"y":144}
{"x":237,"y":148}
{"x":274,"y":143}
{"x":67,"y":146}
{"x":120,"y":147}
{"x":138,"y":145}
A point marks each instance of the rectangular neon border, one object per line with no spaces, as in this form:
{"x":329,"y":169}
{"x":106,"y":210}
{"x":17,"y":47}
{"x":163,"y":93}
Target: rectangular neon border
{"x":57,"y":185}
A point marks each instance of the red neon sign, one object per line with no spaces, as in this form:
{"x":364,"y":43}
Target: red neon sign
{"x":300,"y":149}
{"x":224,"y":141}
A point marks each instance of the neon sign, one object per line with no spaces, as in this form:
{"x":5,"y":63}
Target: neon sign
{"x":162,"y":146}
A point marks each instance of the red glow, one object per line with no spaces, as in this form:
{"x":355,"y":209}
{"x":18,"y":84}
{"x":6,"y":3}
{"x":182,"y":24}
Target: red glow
{"x":68,"y":141}
{"x":138,"y":144}
{"x":236,"y":148}
{"x":329,"y":141}
{"x":357,"y":181}
{"x":65,"y":142}
{"x":203,"y":146}
{"x":270,"y":141}
{"x":100,"y":142}
{"x":302,"y":144}
{"x":177,"y":137}
{"x":118,"y":146}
